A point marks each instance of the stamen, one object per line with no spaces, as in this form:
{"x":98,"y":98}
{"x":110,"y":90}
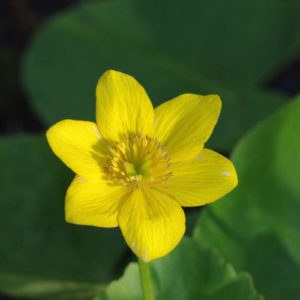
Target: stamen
{"x":138,"y":161}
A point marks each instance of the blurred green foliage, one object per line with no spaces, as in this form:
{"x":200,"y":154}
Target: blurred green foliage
{"x":256,"y":227}
{"x":227,"y":47}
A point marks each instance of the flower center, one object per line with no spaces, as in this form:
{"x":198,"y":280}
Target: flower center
{"x":138,"y":161}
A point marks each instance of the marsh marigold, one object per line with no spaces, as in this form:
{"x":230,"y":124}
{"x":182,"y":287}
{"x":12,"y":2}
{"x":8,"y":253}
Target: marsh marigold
{"x":137,"y":166}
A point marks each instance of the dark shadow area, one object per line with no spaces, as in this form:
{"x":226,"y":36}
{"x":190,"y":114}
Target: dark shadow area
{"x":288,"y":79}
{"x":18,"y":22}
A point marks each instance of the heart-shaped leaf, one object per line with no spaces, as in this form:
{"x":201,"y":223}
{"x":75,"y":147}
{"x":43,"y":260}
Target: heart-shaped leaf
{"x":191,"y":271}
{"x":70,"y":53}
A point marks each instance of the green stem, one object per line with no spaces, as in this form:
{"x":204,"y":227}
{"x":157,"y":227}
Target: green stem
{"x":146,"y":280}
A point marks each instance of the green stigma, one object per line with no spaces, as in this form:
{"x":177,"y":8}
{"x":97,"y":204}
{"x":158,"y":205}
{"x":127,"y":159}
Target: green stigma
{"x":137,"y":168}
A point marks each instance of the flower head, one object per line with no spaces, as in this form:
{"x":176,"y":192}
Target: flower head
{"x":136,"y":167}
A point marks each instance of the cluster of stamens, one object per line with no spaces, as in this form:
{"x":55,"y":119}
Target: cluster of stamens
{"x":138,"y":161}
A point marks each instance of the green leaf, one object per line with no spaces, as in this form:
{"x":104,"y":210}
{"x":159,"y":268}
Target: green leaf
{"x":233,"y":42}
{"x":191,"y":271}
{"x":43,"y":255}
{"x":67,"y":57}
{"x":257,"y":226}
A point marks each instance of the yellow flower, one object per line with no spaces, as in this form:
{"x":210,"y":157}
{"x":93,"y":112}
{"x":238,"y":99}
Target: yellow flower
{"x":136,"y":167}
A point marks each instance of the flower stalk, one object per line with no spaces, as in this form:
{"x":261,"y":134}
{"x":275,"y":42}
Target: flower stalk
{"x":146,"y":280}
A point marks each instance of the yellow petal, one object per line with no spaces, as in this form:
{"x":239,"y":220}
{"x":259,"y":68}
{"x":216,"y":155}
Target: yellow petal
{"x":152,"y":223}
{"x":202,"y":180}
{"x":78,"y":144}
{"x":93,"y":203}
{"x":123,"y":107}
{"x":185,"y":123}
